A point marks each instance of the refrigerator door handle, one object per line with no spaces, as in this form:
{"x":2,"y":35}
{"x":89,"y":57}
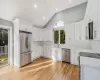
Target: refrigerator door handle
{"x":26,"y":42}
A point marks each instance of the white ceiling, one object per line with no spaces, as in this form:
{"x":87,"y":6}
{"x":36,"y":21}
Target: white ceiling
{"x":9,"y":9}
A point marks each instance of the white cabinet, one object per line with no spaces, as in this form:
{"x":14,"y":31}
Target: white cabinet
{"x":77,"y":31}
{"x":53,"y":53}
{"x":75,"y":55}
{"x":80,"y":31}
{"x":37,"y":52}
{"x":89,"y":68}
{"x":94,"y":17}
{"x":47,"y":52}
{"x":84,"y":31}
{"x":97,"y":31}
{"x":37,"y":34}
{"x":70,"y":32}
{"x":40,"y":33}
{"x":92,"y":14}
{"x":24,"y":26}
{"x":47,"y":35}
{"x":98,"y":13}
{"x":72,"y":56}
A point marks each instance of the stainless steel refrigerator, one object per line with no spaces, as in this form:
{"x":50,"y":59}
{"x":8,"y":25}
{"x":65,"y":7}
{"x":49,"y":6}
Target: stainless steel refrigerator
{"x":25,"y":47}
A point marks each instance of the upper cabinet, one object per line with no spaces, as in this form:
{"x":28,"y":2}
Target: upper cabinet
{"x":70,"y":32}
{"x":81,"y":31}
{"x":24,"y":26}
{"x":37,"y":34}
{"x":47,"y":35}
{"x":93,"y":14}
{"x":40,"y":34}
{"x":96,"y":20}
{"x":77,"y":31}
{"x":98,"y":28}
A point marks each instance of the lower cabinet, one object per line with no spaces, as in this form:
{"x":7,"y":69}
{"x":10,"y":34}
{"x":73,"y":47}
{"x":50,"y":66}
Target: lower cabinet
{"x":57,"y":54}
{"x":53,"y":53}
{"x":47,"y":52}
{"x":37,"y":52}
{"x":75,"y":55}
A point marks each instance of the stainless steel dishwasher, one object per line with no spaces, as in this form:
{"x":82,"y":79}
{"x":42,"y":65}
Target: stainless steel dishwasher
{"x":66,"y":55}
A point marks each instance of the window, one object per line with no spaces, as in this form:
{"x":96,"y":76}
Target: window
{"x":59,"y":37}
{"x":62,"y":37}
{"x":56,"y":36}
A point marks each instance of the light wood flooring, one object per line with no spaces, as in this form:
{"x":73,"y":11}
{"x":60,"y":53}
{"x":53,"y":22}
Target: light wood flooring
{"x":41,"y":69}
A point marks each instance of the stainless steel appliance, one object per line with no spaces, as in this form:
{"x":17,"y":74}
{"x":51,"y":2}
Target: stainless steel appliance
{"x":25,"y":47}
{"x":66,"y":55}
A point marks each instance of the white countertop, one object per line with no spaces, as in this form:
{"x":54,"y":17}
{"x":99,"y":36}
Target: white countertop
{"x":90,"y":59}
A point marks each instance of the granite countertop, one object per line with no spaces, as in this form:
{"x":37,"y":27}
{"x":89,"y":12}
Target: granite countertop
{"x":91,"y":55}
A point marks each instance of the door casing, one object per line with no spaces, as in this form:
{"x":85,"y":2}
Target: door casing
{"x":10,"y":44}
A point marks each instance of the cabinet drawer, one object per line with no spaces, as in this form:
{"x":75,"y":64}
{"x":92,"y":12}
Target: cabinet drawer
{"x":25,"y":58}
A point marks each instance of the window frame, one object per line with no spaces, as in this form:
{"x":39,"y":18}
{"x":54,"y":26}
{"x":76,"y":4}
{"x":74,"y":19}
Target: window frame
{"x":59,"y":35}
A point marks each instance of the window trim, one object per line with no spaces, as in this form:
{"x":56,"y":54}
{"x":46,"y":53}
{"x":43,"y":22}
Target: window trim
{"x":59,"y":36}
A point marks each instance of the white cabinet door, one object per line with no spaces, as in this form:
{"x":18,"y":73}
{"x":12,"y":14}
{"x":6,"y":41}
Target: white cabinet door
{"x":70,"y":32}
{"x":48,"y":35}
{"x":97,"y":32}
{"x":92,"y":15}
{"x":77,"y":31}
{"x":81,"y":31}
{"x":25,"y":27}
{"x":37,"y":52}
{"x":34,"y":34}
{"x":47,"y":52}
{"x":37,"y":34}
{"x":77,"y":51}
{"x":58,"y":54}
{"x":72,"y":56}
{"x":84,"y":31}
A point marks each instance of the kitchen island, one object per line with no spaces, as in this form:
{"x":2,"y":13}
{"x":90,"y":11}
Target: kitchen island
{"x":89,"y":66}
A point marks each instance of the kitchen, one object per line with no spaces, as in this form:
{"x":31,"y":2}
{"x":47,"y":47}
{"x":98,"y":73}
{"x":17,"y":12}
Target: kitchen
{"x":71,"y":36}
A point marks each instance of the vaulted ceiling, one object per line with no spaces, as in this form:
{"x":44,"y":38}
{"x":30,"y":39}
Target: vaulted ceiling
{"x":37,"y":12}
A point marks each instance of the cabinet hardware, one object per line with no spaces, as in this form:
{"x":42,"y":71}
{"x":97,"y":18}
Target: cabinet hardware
{"x":86,"y":33}
{"x":95,"y":34}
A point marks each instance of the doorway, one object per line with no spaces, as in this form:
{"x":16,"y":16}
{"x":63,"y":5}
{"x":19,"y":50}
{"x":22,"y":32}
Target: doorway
{"x":6,"y":57}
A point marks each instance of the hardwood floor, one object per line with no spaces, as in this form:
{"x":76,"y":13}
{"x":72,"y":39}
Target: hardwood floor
{"x":41,"y":69}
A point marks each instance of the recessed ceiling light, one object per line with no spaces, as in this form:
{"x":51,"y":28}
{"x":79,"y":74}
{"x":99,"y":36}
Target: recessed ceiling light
{"x":56,"y":9}
{"x":70,"y":0}
{"x":35,"y":5}
{"x":44,"y":18}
